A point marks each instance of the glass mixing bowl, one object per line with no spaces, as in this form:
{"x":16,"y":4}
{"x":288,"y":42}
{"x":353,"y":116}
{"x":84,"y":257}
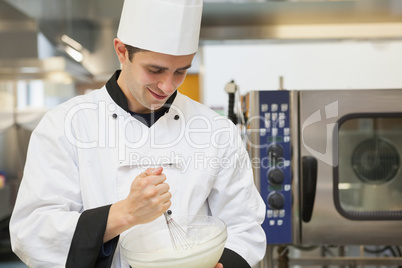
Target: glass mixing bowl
{"x":150,"y":245}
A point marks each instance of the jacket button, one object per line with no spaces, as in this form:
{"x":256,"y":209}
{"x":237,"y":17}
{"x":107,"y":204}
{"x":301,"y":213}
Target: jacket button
{"x":114,"y":115}
{"x":176,"y":117}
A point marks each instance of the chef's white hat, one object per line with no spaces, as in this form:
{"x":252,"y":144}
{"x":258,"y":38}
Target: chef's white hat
{"x":164,"y":26}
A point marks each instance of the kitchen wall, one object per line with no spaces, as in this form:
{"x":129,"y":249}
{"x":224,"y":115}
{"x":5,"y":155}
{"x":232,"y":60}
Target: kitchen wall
{"x":353,"y":64}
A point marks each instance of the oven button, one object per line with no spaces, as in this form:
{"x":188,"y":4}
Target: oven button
{"x":282,"y":213}
{"x":275,"y":151}
{"x":270,"y":213}
{"x":276,"y":200}
{"x":275,"y":176}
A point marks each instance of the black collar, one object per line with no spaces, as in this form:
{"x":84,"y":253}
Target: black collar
{"x":120,"y":99}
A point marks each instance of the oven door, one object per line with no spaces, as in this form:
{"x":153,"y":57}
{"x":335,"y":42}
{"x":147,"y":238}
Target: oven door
{"x":350,"y":159}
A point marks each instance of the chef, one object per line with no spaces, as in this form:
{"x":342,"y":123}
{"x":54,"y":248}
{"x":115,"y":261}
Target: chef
{"x":102,"y":163}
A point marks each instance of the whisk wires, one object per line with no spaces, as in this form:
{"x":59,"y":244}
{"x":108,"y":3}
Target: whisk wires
{"x":178,"y":235}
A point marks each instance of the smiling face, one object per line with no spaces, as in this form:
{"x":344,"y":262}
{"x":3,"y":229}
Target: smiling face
{"x":150,"y":78}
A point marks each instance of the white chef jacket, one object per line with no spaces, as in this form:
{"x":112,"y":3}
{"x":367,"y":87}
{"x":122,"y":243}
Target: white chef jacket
{"x":86,"y":152}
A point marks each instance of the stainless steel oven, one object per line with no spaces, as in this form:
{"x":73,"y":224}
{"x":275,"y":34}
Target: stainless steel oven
{"x":328,"y":165}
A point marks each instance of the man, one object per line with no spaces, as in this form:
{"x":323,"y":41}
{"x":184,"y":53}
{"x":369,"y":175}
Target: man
{"x":121,"y":156}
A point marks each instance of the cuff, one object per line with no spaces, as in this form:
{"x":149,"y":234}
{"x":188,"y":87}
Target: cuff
{"x":87,"y":249}
{"x":231,"y":259}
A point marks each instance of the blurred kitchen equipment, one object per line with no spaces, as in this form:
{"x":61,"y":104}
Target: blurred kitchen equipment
{"x":231,"y":89}
{"x":149,"y":245}
{"x":178,"y":235}
{"x":23,"y":103}
{"x":328,"y":165}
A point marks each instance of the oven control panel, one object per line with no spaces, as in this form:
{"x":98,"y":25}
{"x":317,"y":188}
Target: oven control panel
{"x":275,"y":169}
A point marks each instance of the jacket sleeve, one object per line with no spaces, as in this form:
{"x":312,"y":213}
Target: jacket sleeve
{"x":49,"y":201}
{"x":236,"y":200}
{"x":87,"y":248}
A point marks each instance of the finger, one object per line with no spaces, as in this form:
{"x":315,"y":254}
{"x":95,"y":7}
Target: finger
{"x":152,"y":171}
{"x":165,"y":198}
{"x":162,"y":187}
{"x":147,"y":172}
{"x":157,"y":171}
{"x":151,"y":180}
{"x":156,"y":179}
{"x":166,"y":206}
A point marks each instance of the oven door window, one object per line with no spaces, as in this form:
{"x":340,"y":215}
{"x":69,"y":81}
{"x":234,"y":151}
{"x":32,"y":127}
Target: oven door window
{"x":368,"y":179}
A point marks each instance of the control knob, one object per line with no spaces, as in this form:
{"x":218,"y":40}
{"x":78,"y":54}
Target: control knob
{"x":276,"y":200}
{"x":275,"y":176}
{"x":275,"y":151}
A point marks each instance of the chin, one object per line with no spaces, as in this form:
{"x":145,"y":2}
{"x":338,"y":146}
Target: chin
{"x":155,"y":107}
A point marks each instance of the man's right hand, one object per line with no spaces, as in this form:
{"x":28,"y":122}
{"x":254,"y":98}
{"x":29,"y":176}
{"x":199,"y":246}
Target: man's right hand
{"x":148,"y":199}
{"x":149,"y":196}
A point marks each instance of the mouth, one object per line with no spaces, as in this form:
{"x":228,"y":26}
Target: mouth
{"x":157,"y":96}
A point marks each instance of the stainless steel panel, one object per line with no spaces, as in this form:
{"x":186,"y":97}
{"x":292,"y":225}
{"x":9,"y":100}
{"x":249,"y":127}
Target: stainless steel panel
{"x":319,"y":113}
{"x":294,"y":123}
{"x":253,"y":133}
{"x":5,"y":202}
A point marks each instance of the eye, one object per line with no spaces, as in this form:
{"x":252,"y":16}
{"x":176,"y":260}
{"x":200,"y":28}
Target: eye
{"x":156,"y":71}
{"x":181,"y":72}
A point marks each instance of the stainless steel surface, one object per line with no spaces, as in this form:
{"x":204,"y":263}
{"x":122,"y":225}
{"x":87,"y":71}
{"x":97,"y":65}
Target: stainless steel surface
{"x":93,"y":23}
{"x":225,"y":13}
{"x":252,"y":139}
{"x":23,"y":102}
{"x":57,"y":69}
{"x":11,"y":159}
{"x":289,"y":20}
{"x":25,"y":53}
{"x":5,"y":202}
{"x":340,"y":256}
{"x":295,"y":165}
{"x":327,"y":226}
{"x":18,"y":34}
{"x":345,"y":261}
{"x":253,"y":135}
{"x":314,"y":117}
{"x":268,"y":261}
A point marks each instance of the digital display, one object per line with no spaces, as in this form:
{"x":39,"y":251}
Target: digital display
{"x":275,"y":139}
{"x":275,"y":187}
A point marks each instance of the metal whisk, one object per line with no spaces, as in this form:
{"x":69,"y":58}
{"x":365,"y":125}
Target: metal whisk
{"x":178,"y":235}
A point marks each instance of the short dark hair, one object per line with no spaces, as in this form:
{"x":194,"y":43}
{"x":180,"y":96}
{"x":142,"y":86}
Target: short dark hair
{"x":131,"y":50}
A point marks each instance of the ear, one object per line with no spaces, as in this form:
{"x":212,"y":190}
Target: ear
{"x":121,"y":50}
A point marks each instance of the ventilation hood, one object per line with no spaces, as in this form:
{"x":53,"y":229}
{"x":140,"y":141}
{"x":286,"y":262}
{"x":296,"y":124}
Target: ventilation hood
{"x":25,"y":53}
{"x":93,"y":23}
{"x":84,"y":16}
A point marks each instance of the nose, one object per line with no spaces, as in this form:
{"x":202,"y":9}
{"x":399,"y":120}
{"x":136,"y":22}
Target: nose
{"x":167,"y":84}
